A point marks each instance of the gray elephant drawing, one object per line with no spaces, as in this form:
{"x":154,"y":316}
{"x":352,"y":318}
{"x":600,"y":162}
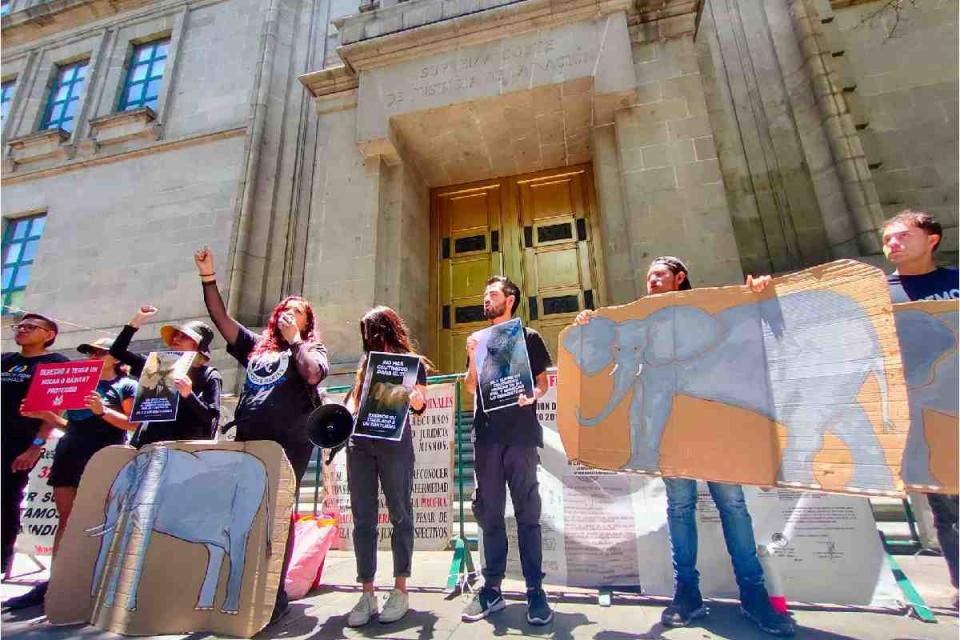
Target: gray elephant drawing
{"x":205,"y":497}
{"x":928,"y":347}
{"x":800,"y":359}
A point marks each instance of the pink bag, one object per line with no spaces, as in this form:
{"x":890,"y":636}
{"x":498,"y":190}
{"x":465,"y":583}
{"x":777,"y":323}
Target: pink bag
{"x":314,"y":536}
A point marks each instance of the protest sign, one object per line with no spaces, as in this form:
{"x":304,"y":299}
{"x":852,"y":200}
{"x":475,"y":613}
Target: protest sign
{"x":157,"y":397}
{"x":385,"y":399}
{"x":62,"y":385}
{"x":38,"y":512}
{"x":503,"y":366}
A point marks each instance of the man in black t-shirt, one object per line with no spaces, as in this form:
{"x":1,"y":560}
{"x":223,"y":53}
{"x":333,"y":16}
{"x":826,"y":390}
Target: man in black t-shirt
{"x":909,"y":240}
{"x":23,"y":438}
{"x":505,"y":449}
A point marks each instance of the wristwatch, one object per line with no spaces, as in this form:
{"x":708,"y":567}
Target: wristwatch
{"x":39,"y":442}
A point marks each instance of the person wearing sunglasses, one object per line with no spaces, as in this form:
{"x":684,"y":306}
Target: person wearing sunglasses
{"x":22,"y":438}
{"x":199,"y":410}
{"x":104,"y":422}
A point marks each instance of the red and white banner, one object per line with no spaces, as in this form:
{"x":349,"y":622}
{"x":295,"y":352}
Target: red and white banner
{"x":62,"y":385}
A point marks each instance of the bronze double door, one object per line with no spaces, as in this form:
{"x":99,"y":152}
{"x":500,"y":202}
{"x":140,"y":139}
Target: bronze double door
{"x":537,"y":229}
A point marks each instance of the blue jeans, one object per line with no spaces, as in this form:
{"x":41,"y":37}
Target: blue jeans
{"x":737,"y":530}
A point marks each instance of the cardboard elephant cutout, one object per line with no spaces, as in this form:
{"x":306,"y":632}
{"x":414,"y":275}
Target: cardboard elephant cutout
{"x":800,"y":386}
{"x":174,"y":538}
{"x":928,"y":333}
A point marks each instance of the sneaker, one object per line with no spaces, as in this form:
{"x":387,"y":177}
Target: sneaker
{"x":538,"y":611}
{"x":488,"y":600}
{"x":395,"y":607}
{"x":365,"y":609}
{"x":755,"y":605}
{"x":32,"y":598}
{"x":687,"y":605}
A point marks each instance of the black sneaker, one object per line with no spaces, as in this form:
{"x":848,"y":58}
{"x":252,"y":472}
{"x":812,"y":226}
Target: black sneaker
{"x":32,"y":598}
{"x":488,"y":600}
{"x":755,"y":604}
{"x":687,"y":605}
{"x":538,"y":611}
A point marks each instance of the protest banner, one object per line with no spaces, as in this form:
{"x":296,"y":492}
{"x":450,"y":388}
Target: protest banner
{"x":157,"y":396}
{"x":385,"y":399}
{"x":433,"y":434}
{"x":38,"y":512}
{"x":503,"y":366}
{"x":62,"y":385}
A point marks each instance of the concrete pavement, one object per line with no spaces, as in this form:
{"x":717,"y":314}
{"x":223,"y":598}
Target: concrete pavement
{"x":322,"y":615}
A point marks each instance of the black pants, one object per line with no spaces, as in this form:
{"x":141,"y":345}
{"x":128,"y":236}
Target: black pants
{"x":11,"y":495}
{"x":945,"y":509}
{"x":372,"y":465}
{"x":498,"y":467}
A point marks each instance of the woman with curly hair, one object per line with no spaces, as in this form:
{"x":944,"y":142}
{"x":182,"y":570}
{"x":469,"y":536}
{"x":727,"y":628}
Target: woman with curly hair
{"x":284,"y":365}
{"x":374,"y":464}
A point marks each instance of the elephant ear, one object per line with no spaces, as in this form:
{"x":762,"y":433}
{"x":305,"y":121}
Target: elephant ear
{"x":924,"y":338}
{"x":680,"y":333}
{"x":590,"y":343}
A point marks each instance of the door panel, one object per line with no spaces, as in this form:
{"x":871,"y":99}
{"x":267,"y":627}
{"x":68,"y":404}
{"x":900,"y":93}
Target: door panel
{"x":533,"y":228}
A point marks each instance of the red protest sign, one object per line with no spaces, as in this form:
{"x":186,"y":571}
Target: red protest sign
{"x":62,"y":385}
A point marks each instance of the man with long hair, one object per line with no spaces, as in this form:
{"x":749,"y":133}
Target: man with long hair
{"x":374,"y":464}
{"x":284,"y":365}
{"x":667,"y":274}
{"x":505,"y":449}
{"x":910,"y":239}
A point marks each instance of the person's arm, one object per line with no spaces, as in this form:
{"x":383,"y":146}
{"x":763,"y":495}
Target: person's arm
{"x":311,"y":360}
{"x":120,"y":349}
{"x":539,"y":362}
{"x":118,"y":419}
{"x":470,"y":381}
{"x":205,"y":405}
{"x":226,"y":325}
{"x":26,"y":460}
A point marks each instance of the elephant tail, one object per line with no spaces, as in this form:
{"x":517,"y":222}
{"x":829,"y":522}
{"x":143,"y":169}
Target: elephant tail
{"x":880,"y":373}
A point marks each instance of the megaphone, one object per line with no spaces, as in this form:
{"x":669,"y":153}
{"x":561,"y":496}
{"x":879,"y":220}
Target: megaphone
{"x":329,"y":425}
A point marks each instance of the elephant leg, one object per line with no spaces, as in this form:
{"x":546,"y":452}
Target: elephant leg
{"x":238,"y":554}
{"x":916,"y":455}
{"x":870,"y":468}
{"x":649,"y":412}
{"x":208,"y":590}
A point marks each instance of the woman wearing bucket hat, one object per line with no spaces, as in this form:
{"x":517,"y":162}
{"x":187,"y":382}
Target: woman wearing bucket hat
{"x":103,"y":423}
{"x":284,"y":364}
{"x":199,"y":390}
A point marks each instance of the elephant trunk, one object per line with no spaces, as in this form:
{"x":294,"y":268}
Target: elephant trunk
{"x":625,"y":376}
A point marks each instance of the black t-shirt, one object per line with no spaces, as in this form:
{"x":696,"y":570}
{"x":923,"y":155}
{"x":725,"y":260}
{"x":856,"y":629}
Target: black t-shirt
{"x":17,"y":372}
{"x":83,"y":425}
{"x":942,"y":283}
{"x":275,"y":400}
{"x":516,"y":425}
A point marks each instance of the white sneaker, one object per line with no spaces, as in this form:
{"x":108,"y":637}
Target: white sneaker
{"x":395,"y":607}
{"x":363,"y":610}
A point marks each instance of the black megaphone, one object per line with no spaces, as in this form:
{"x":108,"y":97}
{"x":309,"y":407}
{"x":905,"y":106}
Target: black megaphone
{"x":329,"y":425}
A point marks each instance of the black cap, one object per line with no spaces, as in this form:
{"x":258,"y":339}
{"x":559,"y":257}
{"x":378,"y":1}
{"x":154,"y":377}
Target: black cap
{"x":196,"y":330}
{"x":329,"y":426}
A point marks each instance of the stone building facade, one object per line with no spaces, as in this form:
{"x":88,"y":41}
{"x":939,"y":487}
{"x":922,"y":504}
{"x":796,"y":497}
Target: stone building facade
{"x":400,"y":152}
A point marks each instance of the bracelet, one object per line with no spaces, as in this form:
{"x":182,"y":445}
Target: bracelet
{"x":39,"y":442}
{"x":206,"y":282}
{"x":207,"y":275}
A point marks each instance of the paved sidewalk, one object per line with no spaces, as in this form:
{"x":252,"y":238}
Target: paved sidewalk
{"x":578,"y":617}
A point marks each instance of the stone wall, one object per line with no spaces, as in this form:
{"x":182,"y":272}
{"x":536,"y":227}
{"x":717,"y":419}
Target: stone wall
{"x":906,"y":71}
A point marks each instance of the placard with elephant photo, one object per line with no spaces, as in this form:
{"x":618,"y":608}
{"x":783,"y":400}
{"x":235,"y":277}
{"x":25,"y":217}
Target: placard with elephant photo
{"x":928,"y":331}
{"x":385,"y":399}
{"x":157,"y":398}
{"x":175,"y":538}
{"x":503,"y":365}
{"x":799,"y":386}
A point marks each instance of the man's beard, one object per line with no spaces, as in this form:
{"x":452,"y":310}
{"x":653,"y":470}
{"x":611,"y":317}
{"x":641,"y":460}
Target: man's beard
{"x":492,"y":312}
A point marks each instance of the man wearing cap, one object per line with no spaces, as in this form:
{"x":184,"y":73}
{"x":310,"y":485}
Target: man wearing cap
{"x":23,"y":438}
{"x":102,"y":423}
{"x":199,"y":410}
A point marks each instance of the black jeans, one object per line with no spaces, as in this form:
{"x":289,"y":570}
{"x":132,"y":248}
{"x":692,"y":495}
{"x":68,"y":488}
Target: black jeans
{"x":12,"y":488}
{"x":373,"y":465}
{"x":945,"y":509}
{"x":498,"y":467}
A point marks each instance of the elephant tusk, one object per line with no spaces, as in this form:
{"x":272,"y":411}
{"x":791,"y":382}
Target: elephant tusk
{"x":639,"y":369}
{"x":614,"y":370}
{"x":101,"y":533}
